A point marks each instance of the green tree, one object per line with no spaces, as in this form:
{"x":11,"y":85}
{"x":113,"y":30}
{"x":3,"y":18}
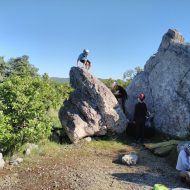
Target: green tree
{"x":110,"y":81}
{"x":3,"y":67}
{"x":21,"y":66}
{"x":24,"y":103}
{"x":131,"y":73}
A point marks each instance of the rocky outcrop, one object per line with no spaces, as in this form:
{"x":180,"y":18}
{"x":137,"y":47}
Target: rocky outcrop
{"x":91,"y":109}
{"x":166,"y":84}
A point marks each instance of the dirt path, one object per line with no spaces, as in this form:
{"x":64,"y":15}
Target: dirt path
{"x":88,"y":167}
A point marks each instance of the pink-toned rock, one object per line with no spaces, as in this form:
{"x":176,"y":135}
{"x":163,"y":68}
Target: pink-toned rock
{"x":91,"y":109}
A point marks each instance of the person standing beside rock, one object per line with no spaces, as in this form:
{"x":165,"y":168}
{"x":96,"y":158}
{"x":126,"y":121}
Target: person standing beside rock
{"x":83,"y":59}
{"x":120,"y":94}
{"x":183,"y":164}
{"x":140,"y":118}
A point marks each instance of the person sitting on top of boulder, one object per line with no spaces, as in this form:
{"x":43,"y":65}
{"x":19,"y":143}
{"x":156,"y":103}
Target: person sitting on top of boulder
{"x":183,"y":164}
{"x":83,"y":59}
{"x":120,"y":94}
{"x":140,"y":117}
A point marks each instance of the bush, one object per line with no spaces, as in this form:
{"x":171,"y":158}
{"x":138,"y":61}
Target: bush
{"x":109,"y":82}
{"x":24,"y":104}
{"x":7,"y":137}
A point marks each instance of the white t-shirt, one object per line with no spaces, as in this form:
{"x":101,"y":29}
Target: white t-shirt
{"x":183,"y":162}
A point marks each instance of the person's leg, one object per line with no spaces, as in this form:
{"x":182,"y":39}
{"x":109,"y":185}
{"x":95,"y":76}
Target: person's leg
{"x":86,"y":64}
{"x":137,"y":131}
{"x":142,"y":126}
{"x":83,"y":61}
{"x":89,"y":64}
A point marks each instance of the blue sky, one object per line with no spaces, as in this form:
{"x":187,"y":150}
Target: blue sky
{"x":120,"y":34}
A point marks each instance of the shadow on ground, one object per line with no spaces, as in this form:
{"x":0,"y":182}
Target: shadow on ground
{"x":145,"y":179}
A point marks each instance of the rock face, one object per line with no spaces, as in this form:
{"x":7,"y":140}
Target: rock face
{"x":166,"y":84}
{"x":92,"y":108}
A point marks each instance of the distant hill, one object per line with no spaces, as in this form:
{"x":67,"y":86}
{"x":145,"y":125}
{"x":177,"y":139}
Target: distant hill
{"x":60,"y":80}
{"x":66,"y":80}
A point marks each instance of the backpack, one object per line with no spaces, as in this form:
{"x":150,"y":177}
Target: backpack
{"x":160,"y":187}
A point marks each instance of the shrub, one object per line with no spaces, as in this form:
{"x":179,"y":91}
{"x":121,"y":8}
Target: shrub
{"x":24,"y":105}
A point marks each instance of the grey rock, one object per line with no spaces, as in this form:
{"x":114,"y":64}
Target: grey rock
{"x":19,"y":160}
{"x":27,"y":151}
{"x":29,"y":148}
{"x":130,"y":159}
{"x":166,"y":84}
{"x":13,"y":162}
{"x":88,"y":139}
{"x":91,"y":109}
{"x":2,"y":162}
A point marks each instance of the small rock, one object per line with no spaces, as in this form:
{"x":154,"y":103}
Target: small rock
{"x":19,"y":160}
{"x":13,"y":163}
{"x":31,"y":146}
{"x":88,"y":139}
{"x":2,"y":162}
{"x":130,"y":159}
{"x":28,"y":152}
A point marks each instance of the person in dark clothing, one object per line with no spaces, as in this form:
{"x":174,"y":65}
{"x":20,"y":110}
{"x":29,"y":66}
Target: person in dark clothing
{"x":120,"y":94}
{"x":140,"y":117}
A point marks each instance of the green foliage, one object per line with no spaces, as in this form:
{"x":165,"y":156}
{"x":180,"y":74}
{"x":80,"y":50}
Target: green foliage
{"x":3,"y":68}
{"x":108,"y":145}
{"x":131,"y":73}
{"x":7,"y":137}
{"x":109,"y":82}
{"x":60,"y":80}
{"x":20,"y":66}
{"x":25,"y":100}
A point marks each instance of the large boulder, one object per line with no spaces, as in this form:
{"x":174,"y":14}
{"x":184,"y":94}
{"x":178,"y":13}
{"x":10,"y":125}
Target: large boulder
{"x":91,"y":109}
{"x":166,"y":84}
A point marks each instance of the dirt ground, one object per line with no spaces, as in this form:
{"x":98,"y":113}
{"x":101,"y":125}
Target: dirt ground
{"x":88,"y":166}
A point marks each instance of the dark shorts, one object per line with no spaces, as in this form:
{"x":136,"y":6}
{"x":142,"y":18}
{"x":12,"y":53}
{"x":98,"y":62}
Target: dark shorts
{"x":87,"y":61}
